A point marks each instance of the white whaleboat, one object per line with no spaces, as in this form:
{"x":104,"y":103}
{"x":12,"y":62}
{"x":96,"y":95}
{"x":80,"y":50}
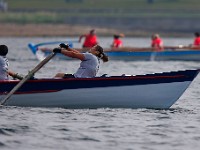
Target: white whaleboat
{"x":155,"y":91}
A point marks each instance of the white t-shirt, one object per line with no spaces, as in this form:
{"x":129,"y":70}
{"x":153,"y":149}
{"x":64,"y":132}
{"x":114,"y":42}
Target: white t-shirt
{"x":3,"y":68}
{"x":88,"y":67}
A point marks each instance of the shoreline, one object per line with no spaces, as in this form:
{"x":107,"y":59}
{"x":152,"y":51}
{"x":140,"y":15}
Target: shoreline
{"x":50,"y":30}
{"x":43,"y":30}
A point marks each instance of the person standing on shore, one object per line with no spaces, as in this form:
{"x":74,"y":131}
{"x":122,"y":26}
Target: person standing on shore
{"x":90,"y":61}
{"x":117,"y":42}
{"x":4,"y":72}
{"x":90,"y":39}
{"x":157,"y":43}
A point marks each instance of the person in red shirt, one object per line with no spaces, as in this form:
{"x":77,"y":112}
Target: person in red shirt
{"x":90,"y":39}
{"x":196,"y":40}
{"x":157,"y":43}
{"x":117,"y":42}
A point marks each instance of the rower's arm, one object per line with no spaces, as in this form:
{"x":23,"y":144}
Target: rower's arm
{"x":73,"y":53}
{"x":73,"y":50}
{"x":81,"y":37}
{"x":14,"y":75}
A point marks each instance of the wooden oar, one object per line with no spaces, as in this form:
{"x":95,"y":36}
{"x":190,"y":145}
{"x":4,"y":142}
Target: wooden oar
{"x":27,"y":77}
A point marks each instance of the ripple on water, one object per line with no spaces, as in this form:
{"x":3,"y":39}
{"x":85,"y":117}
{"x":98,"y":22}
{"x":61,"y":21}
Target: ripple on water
{"x":114,"y":129}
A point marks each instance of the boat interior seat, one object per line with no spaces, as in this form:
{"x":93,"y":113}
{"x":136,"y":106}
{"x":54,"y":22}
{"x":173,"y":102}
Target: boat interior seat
{"x":126,"y":75}
{"x":104,"y":75}
{"x":123,"y":75}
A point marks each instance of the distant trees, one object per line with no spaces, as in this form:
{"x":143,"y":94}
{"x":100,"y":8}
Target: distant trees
{"x":73,"y":1}
{"x":150,"y":1}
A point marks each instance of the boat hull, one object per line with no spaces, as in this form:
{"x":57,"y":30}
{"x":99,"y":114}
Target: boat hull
{"x":185,"y":55}
{"x":133,"y":55}
{"x":153,"y":96}
{"x":157,"y":91}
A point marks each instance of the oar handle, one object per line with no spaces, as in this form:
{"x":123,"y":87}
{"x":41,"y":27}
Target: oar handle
{"x":27,"y":77}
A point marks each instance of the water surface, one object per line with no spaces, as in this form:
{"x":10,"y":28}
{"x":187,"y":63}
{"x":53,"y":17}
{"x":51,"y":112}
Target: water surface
{"x":105,"y":128}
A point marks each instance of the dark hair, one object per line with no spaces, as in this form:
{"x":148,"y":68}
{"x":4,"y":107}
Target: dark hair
{"x":197,"y":34}
{"x":116,"y":36}
{"x":3,"y":50}
{"x":92,"y":31}
{"x":101,"y":54}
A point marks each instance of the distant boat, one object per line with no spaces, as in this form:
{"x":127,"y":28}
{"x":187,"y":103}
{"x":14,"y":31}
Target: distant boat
{"x":154,"y":91}
{"x":133,"y":54}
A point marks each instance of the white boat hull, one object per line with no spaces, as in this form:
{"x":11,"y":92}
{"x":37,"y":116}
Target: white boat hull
{"x":157,"y":91}
{"x":158,"y":96}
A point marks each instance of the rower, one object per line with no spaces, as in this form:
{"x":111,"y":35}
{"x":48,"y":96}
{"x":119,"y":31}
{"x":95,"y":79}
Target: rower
{"x":4,"y":72}
{"x":90,"y":39}
{"x":156,"y":43}
{"x":117,"y":42}
{"x":90,"y":61}
{"x":196,"y":42}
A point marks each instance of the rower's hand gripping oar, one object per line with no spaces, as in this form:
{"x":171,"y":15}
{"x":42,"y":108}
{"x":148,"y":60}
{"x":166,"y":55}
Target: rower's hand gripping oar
{"x":27,"y":77}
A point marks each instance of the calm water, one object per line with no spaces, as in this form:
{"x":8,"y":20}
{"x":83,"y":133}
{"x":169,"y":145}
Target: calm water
{"x":122,"y":129}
